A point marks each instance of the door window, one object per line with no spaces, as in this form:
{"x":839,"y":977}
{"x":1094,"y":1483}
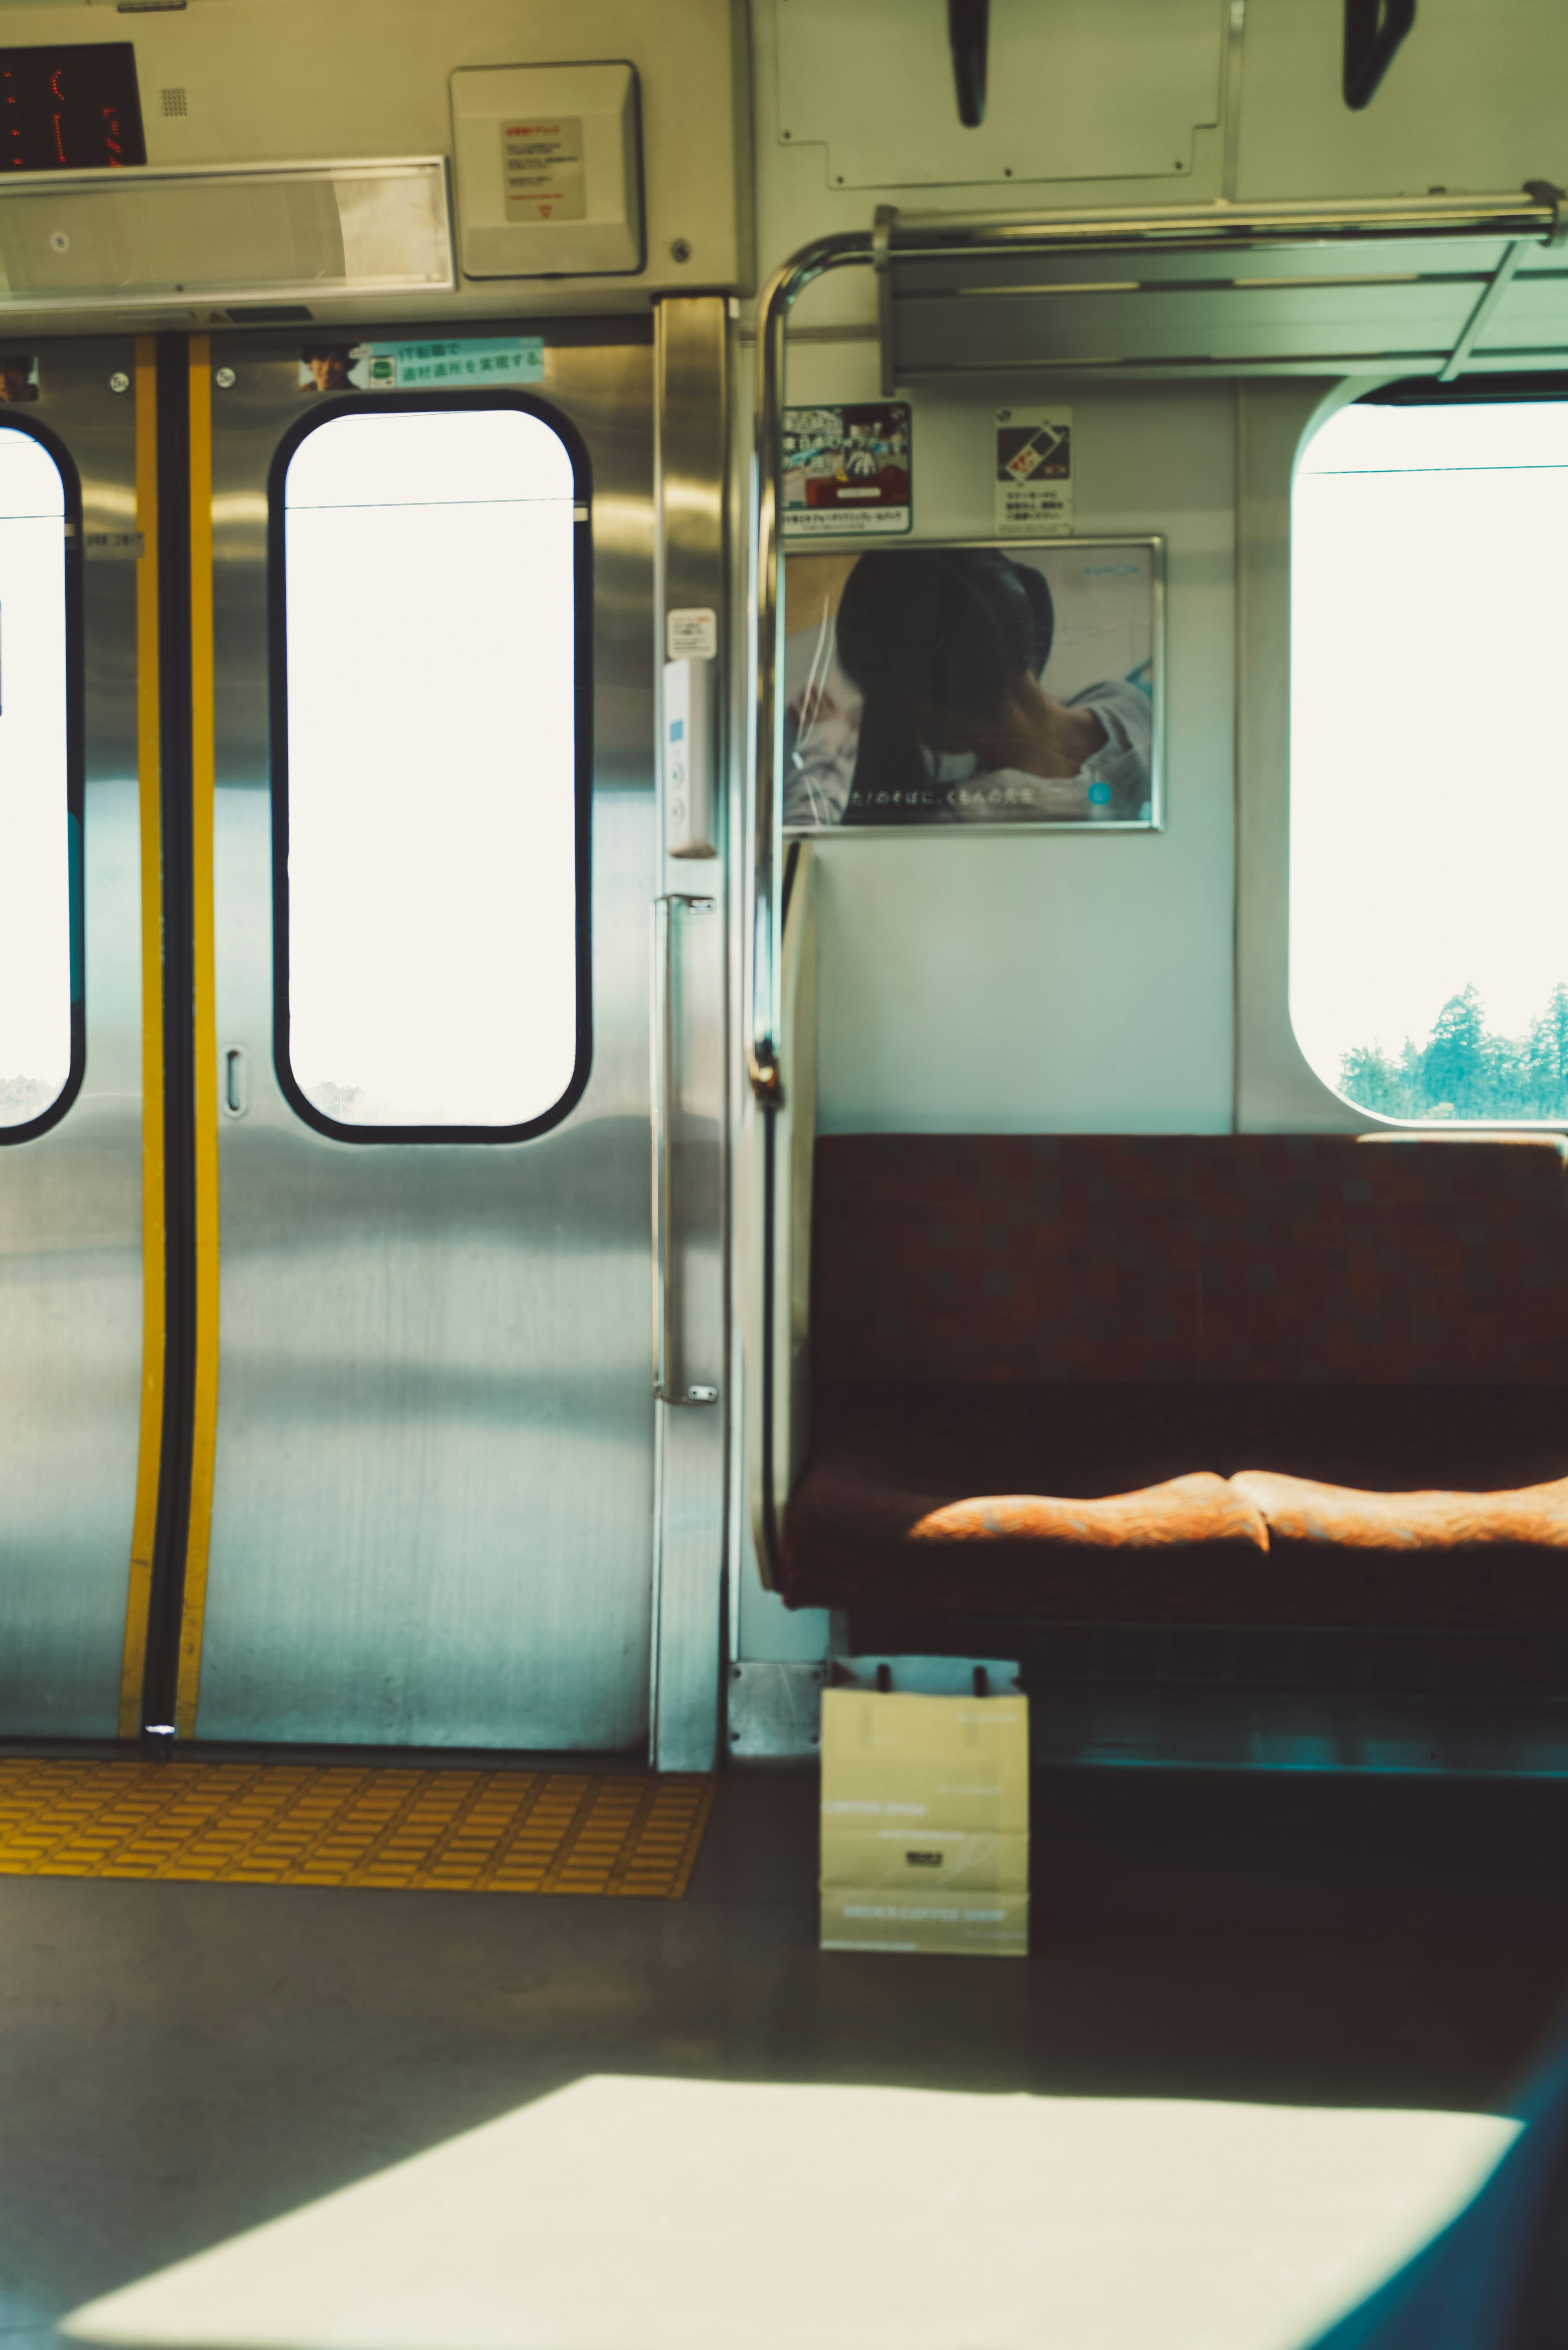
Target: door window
{"x":432,"y":769}
{"x":41,"y":1016}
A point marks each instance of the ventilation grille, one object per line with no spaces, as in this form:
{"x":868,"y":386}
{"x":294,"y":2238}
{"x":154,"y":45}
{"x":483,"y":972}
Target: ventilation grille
{"x":174,"y":101}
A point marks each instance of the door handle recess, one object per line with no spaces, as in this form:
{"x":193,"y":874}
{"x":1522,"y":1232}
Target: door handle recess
{"x":669,"y":1384}
{"x":236,"y":1081}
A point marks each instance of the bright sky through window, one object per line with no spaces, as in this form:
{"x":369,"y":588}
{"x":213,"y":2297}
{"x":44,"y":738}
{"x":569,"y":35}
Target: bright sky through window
{"x":1429,"y":758}
{"x":35,"y":851}
{"x":432,"y":768}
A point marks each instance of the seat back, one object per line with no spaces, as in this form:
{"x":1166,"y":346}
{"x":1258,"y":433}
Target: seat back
{"x":1378,"y":1259}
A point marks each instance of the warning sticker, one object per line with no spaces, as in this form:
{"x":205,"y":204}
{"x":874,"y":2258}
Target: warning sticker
{"x":541,"y":163}
{"x":847,"y":469}
{"x":691,"y":634}
{"x":400,"y":366}
{"x":397,"y":367}
{"x":1033,"y":472}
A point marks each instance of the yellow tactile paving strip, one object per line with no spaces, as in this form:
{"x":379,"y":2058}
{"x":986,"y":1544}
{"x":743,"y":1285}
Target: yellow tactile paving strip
{"x":297,"y":1823}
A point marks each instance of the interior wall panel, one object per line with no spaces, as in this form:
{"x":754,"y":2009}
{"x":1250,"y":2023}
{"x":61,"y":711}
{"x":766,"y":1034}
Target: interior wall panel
{"x":1066,"y":982}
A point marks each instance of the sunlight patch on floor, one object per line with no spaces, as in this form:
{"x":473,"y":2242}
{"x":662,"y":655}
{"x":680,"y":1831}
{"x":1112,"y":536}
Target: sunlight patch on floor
{"x":639,"y":2214}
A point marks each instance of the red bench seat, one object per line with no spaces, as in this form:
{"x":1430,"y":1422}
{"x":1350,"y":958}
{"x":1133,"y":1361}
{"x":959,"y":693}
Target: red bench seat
{"x":1004,"y":1325}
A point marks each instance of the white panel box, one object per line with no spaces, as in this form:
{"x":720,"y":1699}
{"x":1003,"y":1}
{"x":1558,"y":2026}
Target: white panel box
{"x":689,"y":758}
{"x":549,"y":176}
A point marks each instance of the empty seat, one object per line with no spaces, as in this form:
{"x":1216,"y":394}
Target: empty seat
{"x":1003,"y":1327}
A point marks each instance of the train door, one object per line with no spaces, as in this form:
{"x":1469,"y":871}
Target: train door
{"x":81,"y":1358}
{"x":423,"y":1437}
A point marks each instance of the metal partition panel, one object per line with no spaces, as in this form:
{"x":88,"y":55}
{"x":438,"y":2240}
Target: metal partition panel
{"x":433,"y":1517}
{"x":692,"y":359}
{"x":71,"y":1300}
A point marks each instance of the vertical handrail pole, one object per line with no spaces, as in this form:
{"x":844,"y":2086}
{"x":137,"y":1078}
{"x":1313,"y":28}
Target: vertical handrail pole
{"x":762,"y":1012}
{"x":767,"y":742}
{"x":660,"y":1039}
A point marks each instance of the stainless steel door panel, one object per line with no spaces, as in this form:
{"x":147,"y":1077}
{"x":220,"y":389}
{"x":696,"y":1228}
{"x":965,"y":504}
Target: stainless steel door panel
{"x":70,"y":1201}
{"x":692,"y":346}
{"x":433,"y":1500}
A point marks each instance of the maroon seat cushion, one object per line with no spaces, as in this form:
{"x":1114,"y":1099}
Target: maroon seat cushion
{"x":1004,"y":1325}
{"x":886,"y":1513}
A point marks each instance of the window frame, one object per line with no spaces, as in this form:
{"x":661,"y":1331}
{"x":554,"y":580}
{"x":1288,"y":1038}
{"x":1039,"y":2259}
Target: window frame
{"x":1273,"y":1074}
{"x":32,"y":1128}
{"x":1276,"y":1090}
{"x":381,"y":403}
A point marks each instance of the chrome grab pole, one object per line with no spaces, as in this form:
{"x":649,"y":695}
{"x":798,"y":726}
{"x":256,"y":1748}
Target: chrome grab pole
{"x":669,"y":1385}
{"x":1536,"y":214}
{"x":759,"y":1011}
{"x":767,"y":651}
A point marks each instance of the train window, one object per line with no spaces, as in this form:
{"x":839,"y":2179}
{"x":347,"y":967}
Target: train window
{"x":429,"y":574}
{"x":1428,"y":778}
{"x":40,"y":1006}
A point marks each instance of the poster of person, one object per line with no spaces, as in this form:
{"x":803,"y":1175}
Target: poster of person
{"x":973,"y":685}
{"x":19,"y":376}
{"x":330,"y":366}
{"x":846,"y":471}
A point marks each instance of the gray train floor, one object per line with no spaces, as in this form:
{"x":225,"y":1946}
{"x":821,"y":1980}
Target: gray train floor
{"x":178,"y":2062}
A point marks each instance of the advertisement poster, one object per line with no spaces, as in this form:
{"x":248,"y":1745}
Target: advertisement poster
{"x":1033,"y":472}
{"x":18,"y":376}
{"x":973,"y":685}
{"x":406,"y":366}
{"x":846,"y":471}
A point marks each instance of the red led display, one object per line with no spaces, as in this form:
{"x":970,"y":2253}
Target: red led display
{"x":70,"y":109}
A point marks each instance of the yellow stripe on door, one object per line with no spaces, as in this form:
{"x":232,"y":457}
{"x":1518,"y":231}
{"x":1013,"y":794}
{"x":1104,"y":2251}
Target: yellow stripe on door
{"x":205,"y":1041}
{"x":148,"y":763}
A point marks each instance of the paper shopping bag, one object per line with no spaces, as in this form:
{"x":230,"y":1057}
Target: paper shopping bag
{"x":924,"y":1823}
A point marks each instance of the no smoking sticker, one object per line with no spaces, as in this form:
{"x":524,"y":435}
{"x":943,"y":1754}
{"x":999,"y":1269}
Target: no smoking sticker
{"x":1033,"y":472}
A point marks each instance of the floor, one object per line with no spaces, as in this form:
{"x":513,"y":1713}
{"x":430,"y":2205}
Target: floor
{"x":178,"y":2063}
